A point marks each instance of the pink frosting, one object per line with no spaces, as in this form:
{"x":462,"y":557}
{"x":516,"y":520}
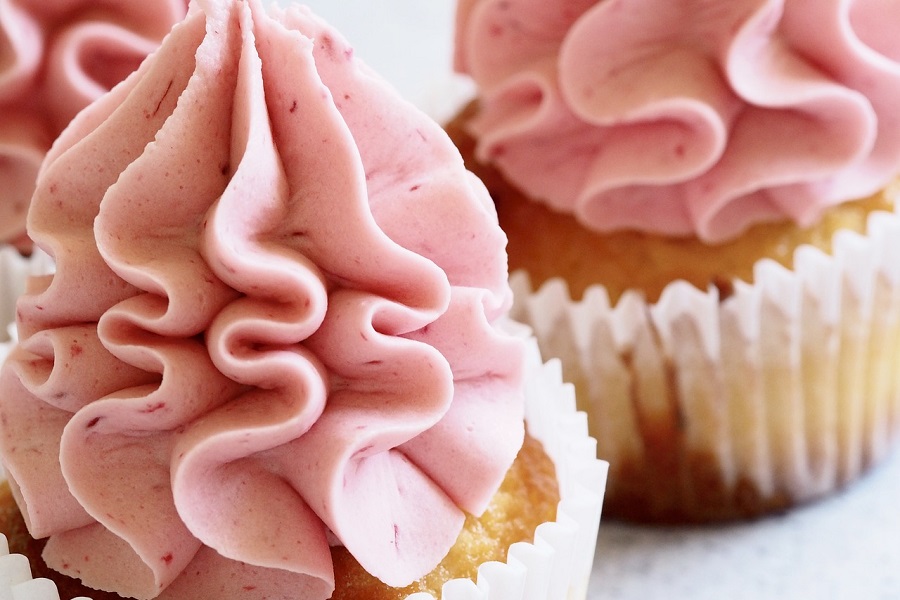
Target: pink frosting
{"x":273,"y":325}
{"x":686,"y":118}
{"x":57,"y":56}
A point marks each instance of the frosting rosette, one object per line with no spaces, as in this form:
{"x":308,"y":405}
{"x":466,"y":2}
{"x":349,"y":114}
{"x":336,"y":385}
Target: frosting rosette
{"x":686,"y":118}
{"x":57,"y":56}
{"x":273,"y":325}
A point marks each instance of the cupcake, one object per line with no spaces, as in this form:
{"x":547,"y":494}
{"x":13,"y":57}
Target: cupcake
{"x":57,"y":58}
{"x":273,"y":360}
{"x":700,"y":204}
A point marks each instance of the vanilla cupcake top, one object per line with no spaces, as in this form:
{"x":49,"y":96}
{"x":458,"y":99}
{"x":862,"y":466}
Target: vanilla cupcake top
{"x":272,"y":325}
{"x":57,"y":56}
{"x":695,"y":117}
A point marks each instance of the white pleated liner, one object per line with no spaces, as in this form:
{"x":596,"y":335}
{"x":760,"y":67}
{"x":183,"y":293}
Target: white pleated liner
{"x":773,"y":380}
{"x":16,"y":582}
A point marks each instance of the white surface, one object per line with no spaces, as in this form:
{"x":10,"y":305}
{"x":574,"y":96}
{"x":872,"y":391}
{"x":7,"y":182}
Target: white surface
{"x":847,"y":546}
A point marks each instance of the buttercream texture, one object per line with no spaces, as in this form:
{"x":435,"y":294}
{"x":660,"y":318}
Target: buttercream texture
{"x":56,"y":57}
{"x":686,"y":118}
{"x":272,"y":325}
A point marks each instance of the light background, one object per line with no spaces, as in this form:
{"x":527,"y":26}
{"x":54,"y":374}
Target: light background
{"x":846,"y":547}
{"x":409,"y":42}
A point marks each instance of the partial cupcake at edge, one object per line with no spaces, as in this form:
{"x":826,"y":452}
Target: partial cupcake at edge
{"x":274,"y":358}
{"x":700,"y":200}
{"x":56,"y":58}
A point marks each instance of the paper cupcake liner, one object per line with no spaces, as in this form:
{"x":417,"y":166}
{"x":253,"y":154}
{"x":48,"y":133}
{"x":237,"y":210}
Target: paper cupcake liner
{"x":16,"y":582}
{"x":557,"y":565}
{"x":710,"y":407}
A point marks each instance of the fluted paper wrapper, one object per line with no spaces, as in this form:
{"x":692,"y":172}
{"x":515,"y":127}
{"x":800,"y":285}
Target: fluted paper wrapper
{"x":16,"y":582}
{"x":709,"y":407}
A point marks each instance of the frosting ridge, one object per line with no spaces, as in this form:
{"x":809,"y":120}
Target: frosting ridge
{"x":56,"y":58}
{"x":289,"y":285}
{"x":695,"y":118}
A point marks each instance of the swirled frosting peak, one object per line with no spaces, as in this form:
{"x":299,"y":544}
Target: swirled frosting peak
{"x":57,"y":56}
{"x":694,"y":117}
{"x":273,"y":325}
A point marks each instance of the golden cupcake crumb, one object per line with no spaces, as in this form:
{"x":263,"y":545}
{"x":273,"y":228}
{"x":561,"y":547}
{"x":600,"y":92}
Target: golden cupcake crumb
{"x":527,"y":497}
{"x":548,"y":244}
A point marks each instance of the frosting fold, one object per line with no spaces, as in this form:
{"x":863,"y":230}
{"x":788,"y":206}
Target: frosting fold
{"x":689,"y":118}
{"x":289,"y":285}
{"x":55,"y":59}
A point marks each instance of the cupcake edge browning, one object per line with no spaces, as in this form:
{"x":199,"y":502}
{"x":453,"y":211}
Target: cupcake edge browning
{"x":640,"y":262}
{"x":666,"y":464}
